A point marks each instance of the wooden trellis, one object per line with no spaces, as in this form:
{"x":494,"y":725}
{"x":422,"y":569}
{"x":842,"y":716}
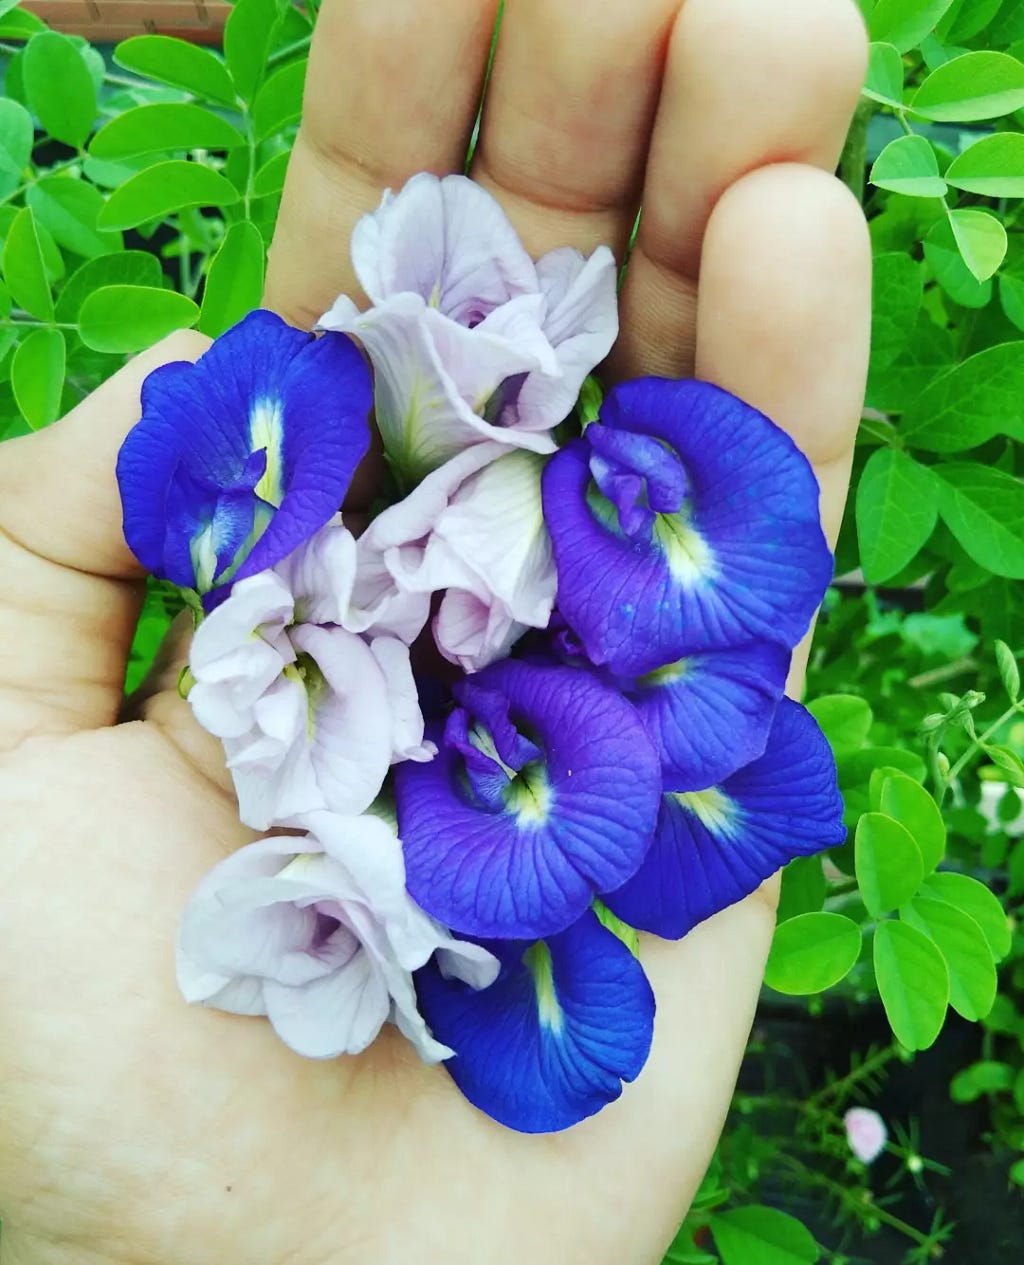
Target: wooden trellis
{"x":105,"y":21}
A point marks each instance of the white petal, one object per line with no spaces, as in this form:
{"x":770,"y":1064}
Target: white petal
{"x":339,"y":1014}
{"x":407,"y":743}
{"x":320,"y":574}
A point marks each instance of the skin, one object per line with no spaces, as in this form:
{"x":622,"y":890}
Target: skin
{"x":137,"y":1130}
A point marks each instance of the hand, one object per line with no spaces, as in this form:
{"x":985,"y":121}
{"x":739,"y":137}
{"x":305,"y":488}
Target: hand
{"x":135,"y":1129}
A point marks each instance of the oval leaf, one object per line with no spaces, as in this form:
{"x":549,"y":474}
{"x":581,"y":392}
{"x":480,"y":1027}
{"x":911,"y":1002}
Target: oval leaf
{"x":270,"y":177}
{"x":897,"y":507}
{"x":942,"y":253}
{"x":122,"y":318}
{"x":981,"y":240}
{"x":884,"y":82}
{"x":974,"y":898}
{"x":59,"y":87}
{"x":986,"y":1077}
{"x":762,"y":1236}
{"x":24,"y":269}
{"x":37,"y":376}
{"x":913,"y":983}
{"x":845,"y":720}
{"x":811,"y":952}
{"x":803,"y":888}
{"x":248,"y":33}
{"x":909,"y":165}
{"x":993,"y":166}
{"x":234,"y":284}
{"x":127,"y":267}
{"x":910,"y":804}
{"x":183,"y":65}
{"x":888,"y":863}
{"x":69,"y":209}
{"x":164,"y":188}
{"x":16,"y":138}
{"x":975,"y":86}
{"x":972,"y":973}
{"x":984,"y":509}
{"x":905,"y":23}
{"x":150,"y":129}
{"x":972,"y":402}
{"x":279,"y":101}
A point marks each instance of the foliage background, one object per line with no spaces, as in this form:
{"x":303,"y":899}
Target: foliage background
{"x":138,"y":192}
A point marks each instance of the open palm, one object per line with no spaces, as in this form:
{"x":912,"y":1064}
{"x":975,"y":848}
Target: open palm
{"x":137,"y":1130}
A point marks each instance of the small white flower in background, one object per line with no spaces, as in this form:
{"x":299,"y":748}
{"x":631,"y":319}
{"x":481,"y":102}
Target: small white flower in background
{"x":470,"y":340}
{"x":866,"y":1133}
{"x":319,"y":934}
{"x":311,"y":714}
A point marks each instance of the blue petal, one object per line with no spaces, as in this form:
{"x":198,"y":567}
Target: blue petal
{"x":714,"y":847}
{"x":517,"y":847}
{"x":553,"y":1038}
{"x":709,"y":714}
{"x":744,"y":560}
{"x":262,"y":433}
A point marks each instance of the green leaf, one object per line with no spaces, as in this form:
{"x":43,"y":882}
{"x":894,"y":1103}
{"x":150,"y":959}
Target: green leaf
{"x":16,"y":138}
{"x":174,"y":61}
{"x":993,"y":167}
{"x":856,"y":768}
{"x":896,"y":293}
{"x":972,"y":17}
{"x":1008,"y":762}
{"x":972,"y":973}
{"x":270,"y":177}
{"x":803,"y":888}
{"x":127,"y":267}
{"x":122,"y":318}
{"x":909,"y":165}
{"x":981,"y":240}
{"x":164,"y":188}
{"x":19,"y":24}
{"x":69,"y":208}
{"x":279,"y":101}
{"x":984,"y":509}
{"x":234,"y":284}
{"x":972,"y":1082}
{"x":1016,"y":1172}
{"x":811,"y":952}
{"x":975,"y":86}
{"x":913,"y":983}
{"x":942,"y":253}
{"x":897,"y":507}
{"x":150,"y":129}
{"x":762,"y":1236}
{"x":974,"y":898}
{"x":248,"y":35}
{"x":888,"y":863}
{"x":884,"y":82}
{"x":23,"y":268}
{"x":1011,"y":297}
{"x":59,"y":87}
{"x":905,"y":23}
{"x":1009,"y":672}
{"x":37,"y":376}
{"x":845,"y":720}
{"x":910,"y":804}
{"x":965,"y":407}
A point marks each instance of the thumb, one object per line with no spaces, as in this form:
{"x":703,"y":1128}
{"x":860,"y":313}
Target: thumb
{"x":71,"y":586}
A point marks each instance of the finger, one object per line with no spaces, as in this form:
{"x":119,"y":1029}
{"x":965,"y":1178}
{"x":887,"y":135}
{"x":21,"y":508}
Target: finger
{"x":569,"y":110}
{"x":71,"y":586}
{"x":747,"y":83}
{"x":392,"y":89}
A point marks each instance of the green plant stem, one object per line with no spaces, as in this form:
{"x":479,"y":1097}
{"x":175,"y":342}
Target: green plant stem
{"x":853,"y":164}
{"x":43,"y":173}
{"x":873,"y":1063}
{"x":976,"y":745}
{"x":13,"y":322}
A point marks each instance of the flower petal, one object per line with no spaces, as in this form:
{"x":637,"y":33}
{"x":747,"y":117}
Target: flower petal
{"x":186,"y":472}
{"x":710,"y":714}
{"x":340,"y":1013}
{"x":550,"y":1043}
{"x":447,"y":240}
{"x":745,"y":558}
{"x":524,"y":855}
{"x":713,"y":847}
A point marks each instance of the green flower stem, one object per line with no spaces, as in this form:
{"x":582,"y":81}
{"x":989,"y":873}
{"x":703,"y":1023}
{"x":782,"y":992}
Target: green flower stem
{"x":976,"y":745}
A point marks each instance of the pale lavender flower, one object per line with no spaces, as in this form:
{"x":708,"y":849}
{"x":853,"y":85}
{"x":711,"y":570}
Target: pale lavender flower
{"x":469,"y":339}
{"x":311,"y":714}
{"x":474,"y":531}
{"x":866,"y":1133}
{"x":320,"y":935}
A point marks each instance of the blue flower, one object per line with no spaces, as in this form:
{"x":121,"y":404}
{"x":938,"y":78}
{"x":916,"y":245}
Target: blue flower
{"x":683,"y":521}
{"x":242,"y":456}
{"x":715,"y":846}
{"x":544,"y":792}
{"x":550,"y":1042}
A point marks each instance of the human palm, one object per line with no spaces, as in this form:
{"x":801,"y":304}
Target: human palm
{"x":137,"y":1130}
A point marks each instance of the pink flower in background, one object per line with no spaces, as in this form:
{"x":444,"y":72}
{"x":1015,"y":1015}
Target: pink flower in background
{"x":469,"y":339}
{"x":311,"y":714}
{"x":866,"y":1133}
{"x":320,"y":935}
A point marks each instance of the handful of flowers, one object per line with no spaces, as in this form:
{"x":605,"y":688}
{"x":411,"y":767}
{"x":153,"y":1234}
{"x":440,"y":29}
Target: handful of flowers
{"x":601,"y":745}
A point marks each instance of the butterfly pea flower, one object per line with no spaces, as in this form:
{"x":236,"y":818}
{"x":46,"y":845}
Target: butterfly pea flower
{"x":240,"y":457}
{"x":866,"y":1133}
{"x":544,"y":792}
{"x":311,"y":715}
{"x":683,"y":521}
{"x":469,"y":339}
{"x":474,"y":531}
{"x":550,"y":1042}
{"x":715,"y":846}
{"x":319,"y":934}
